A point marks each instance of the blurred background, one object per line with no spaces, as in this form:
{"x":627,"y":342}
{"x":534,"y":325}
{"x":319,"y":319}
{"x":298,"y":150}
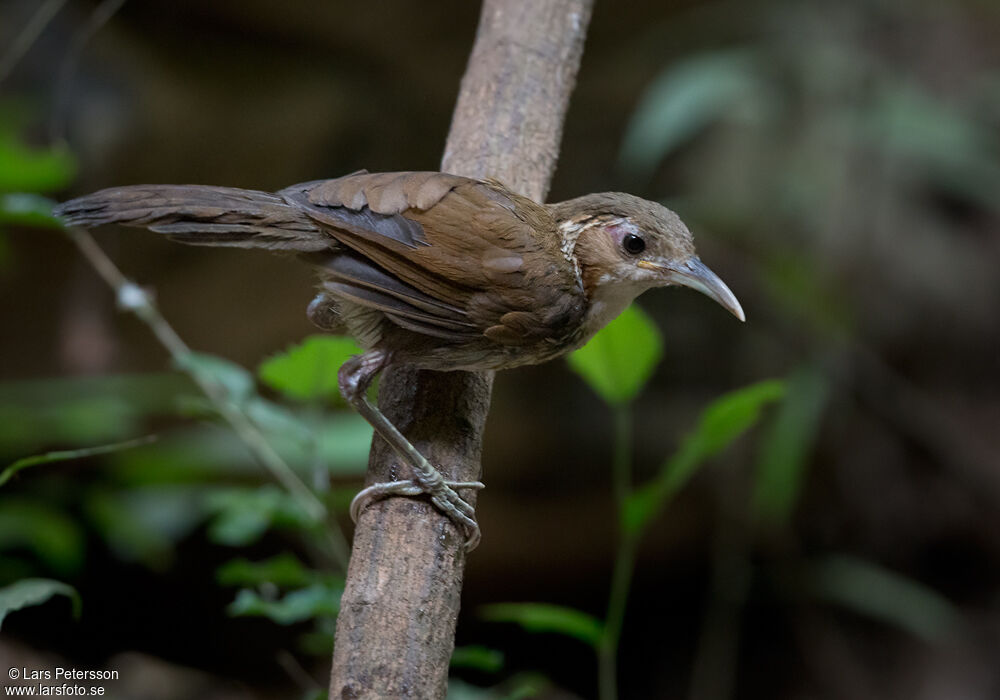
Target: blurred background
{"x":839,"y":165}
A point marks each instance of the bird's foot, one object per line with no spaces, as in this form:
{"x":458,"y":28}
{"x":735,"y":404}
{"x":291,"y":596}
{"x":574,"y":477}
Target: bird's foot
{"x":443,"y":495}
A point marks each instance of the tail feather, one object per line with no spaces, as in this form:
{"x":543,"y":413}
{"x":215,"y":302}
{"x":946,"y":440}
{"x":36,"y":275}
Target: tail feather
{"x":201,"y":215}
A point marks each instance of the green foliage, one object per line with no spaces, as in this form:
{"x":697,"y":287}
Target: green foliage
{"x":205,"y":453}
{"x":541,"y":617}
{"x":519,"y":687}
{"x":314,"y":694}
{"x":284,"y":570}
{"x":339,"y":442}
{"x":316,"y":600}
{"x":782,"y":460}
{"x":46,"y":531}
{"x":478,"y":658}
{"x":619,"y":359}
{"x":24,"y":169}
{"x":308,"y":371}
{"x":142,"y":524}
{"x":196,"y":454}
{"x":243,"y":515}
{"x":36,"y":414}
{"x":960,"y":154}
{"x":27,"y":209}
{"x":73,"y":420}
{"x":63,"y":455}
{"x":35,"y":591}
{"x":303,"y":438}
{"x":234,"y":380}
{"x":725,"y":419}
{"x":683,"y":100}
{"x":869,"y":589}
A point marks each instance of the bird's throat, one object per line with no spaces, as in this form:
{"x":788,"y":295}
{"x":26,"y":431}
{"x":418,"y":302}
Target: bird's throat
{"x":607,"y":301}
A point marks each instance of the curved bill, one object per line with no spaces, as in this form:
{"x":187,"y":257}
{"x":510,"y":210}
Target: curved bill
{"x":695,"y":274}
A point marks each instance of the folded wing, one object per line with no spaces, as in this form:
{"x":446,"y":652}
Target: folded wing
{"x":443,"y":255}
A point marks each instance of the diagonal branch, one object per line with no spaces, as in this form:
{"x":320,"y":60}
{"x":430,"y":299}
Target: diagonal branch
{"x":395,"y":632}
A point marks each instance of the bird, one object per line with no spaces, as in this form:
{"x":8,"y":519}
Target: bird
{"x":434,"y":270}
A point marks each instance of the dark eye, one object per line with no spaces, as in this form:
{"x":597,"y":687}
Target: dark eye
{"x":633,"y":244}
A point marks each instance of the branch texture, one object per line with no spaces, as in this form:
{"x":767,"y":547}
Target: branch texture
{"x":395,"y":632}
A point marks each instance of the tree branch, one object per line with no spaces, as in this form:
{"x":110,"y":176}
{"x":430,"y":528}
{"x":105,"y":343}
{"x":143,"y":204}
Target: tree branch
{"x":395,"y":632}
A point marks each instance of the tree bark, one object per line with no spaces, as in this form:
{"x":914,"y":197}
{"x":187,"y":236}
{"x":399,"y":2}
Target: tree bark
{"x":395,"y":631}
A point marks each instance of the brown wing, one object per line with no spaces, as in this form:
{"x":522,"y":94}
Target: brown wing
{"x":444,"y":255}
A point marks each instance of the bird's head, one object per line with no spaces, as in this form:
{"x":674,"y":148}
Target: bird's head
{"x":626,"y":245}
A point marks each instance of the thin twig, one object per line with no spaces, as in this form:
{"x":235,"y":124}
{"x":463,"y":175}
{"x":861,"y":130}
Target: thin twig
{"x":64,"y":455}
{"x":132,"y":297}
{"x":27,"y":37}
{"x":97,"y":19}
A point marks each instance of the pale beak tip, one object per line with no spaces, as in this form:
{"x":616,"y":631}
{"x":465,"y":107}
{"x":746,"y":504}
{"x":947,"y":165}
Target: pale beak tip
{"x":729,"y":302}
{"x":693,"y":273}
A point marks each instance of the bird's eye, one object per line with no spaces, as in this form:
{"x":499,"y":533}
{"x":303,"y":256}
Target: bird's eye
{"x":633,"y":244}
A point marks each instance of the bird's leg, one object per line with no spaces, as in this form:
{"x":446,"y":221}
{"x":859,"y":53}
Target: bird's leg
{"x":355,"y":376}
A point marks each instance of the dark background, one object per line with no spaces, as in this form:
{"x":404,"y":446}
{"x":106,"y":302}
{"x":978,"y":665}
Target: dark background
{"x":849,"y":194}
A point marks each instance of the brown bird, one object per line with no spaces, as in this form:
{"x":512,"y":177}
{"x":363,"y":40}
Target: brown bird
{"x":437,"y":271}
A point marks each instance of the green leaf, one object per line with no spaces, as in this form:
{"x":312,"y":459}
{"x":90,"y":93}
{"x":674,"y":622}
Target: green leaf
{"x":618,"y":361}
{"x":542,"y":617}
{"x":520,"y":686}
{"x":38,"y":413}
{"x":274,"y":418}
{"x":71,"y":420}
{"x":477,"y":657}
{"x":725,"y":419}
{"x":782,"y":463}
{"x":956,"y":150}
{"x":239,"y":524}
{"x":338,"y":442}
{"x":27,"y":209}
{"x":144,"y":524}
{"x":244,"y":515}
{"x":35,"y":591}
{"x":871,"y":590}
{"x":460,"y":690}
{"x":284,"y":570}
{"x":24,"y":169}
{"x":236,"y":381}
{"x":297,"y":606}
{"x":191,"y":454}
{"x":308,"y":371}
{"x":685,"y":99}
{"x":315,"y":694}
{"x":54,"y":538}
{"x":63,"y":455}
{"x":343,"y":442}
{"x":318,"y":642}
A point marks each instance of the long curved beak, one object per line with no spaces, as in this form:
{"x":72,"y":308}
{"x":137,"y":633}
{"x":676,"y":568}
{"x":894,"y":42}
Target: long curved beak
{"x":695,"y":274}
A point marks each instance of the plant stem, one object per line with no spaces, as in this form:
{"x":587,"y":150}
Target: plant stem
{"x":621,"y":464}
{"x":621,"y":579}
{"x":607,"y":653}
{"x":131,"y":297}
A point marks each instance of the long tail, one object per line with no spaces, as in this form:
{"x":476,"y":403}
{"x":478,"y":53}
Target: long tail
{"x":202,"y":215}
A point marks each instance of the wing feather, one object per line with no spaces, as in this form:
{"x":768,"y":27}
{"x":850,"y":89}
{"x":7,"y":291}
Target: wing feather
{"x":446,"y":256}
